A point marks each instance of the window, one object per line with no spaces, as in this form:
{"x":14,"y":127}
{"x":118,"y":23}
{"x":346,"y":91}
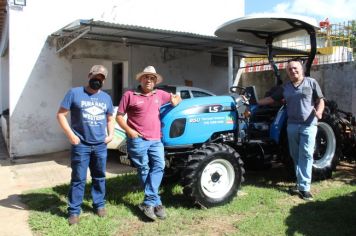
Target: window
{"x":184,"y":94}
{"x":217,"y":60}
{"x":198,"y":94}
{"x":168,"y":89}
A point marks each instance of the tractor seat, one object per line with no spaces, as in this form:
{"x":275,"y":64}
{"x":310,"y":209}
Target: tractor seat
{"x":250,"y":91}
{"x":265,"y":113}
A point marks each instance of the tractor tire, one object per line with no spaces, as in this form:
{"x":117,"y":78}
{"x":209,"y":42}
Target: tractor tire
{"x":326,"y":153}
{"x":254,"y":157}
{"x":328,"y":148}
{"x":213,"y":175}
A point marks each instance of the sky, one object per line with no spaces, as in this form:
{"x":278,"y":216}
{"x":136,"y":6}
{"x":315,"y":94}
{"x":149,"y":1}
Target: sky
{"x":337,"y":11}
{"x":198,"y":16}
{"x":205,"y":16}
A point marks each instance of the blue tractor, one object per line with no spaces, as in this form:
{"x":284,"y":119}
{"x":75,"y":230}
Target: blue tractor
{"x":200,"y":136}
{"x":207,"y":140}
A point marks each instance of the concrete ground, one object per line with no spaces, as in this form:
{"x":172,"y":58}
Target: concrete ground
{"x":30,"y":173}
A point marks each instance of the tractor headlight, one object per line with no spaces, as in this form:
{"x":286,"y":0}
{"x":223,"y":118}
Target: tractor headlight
{"x":177,"y":127}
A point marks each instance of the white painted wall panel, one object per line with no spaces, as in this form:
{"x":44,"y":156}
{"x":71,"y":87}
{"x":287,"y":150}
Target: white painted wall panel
{"x":39,"y":78}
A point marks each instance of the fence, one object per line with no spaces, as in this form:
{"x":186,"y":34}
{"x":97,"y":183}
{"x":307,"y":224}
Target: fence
{"x":336,"y":43}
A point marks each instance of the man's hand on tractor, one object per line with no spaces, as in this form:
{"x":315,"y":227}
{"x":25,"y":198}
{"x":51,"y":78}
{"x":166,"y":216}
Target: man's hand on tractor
{"x":175,"y":99}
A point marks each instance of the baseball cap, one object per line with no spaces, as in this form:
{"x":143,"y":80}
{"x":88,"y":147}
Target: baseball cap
{"x":99,"y":69}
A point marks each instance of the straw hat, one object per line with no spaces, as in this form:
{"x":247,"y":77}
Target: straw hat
{"x":150,"y":70}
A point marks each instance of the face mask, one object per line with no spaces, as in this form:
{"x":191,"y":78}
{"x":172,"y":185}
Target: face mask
{"x":95,"y":84}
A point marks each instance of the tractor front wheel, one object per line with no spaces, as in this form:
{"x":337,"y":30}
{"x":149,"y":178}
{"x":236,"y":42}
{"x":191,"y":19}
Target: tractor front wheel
{"x":213,"y":175}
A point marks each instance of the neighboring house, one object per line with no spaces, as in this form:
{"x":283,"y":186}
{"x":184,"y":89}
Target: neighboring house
{"x":45,"y":50}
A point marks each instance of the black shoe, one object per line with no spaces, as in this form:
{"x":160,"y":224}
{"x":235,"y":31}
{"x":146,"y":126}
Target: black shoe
{"x":306,"y":195}
{"x":294,"y":190}
{"x":101,"y":212}
{"x":148,"y":211}
{"x":73,"y":219}
{"x":160,"y":212}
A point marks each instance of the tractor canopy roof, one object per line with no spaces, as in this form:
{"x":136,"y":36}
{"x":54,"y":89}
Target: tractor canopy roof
{"x":264,"y":29}
{"x":258,"y":28}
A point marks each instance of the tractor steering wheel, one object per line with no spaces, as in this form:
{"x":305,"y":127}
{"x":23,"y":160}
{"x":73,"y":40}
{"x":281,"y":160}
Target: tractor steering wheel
{"x":235,"y":89}
{"x":242,"y":92}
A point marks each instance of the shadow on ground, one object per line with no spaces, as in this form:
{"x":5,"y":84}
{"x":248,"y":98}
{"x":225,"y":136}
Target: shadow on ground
{"x":118,"y":191}
{"x":13,"y":201}
{"x":303,"y":218}
{"x":45,"y":202}
{"x":335,"y":216}
{"x":278,"y":176}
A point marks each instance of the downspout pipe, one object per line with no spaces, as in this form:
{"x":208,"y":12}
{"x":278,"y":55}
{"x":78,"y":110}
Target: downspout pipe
{"x":230,"y":67}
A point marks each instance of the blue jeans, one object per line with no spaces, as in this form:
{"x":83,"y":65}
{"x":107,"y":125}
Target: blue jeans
{"x":82,"y":157}
{"x":148,"y":157}
{"x":301,"y":140}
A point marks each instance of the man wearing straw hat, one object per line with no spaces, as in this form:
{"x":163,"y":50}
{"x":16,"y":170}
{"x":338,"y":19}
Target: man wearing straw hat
{"x":143,"y":130}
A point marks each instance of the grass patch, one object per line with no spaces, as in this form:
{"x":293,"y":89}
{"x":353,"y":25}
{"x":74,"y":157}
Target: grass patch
{"x":263,"y":207}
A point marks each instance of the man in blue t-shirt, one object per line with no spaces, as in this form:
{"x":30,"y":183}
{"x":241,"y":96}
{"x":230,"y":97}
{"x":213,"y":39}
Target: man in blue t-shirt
{"x":92,"y":127}
{"x":305,"y":105}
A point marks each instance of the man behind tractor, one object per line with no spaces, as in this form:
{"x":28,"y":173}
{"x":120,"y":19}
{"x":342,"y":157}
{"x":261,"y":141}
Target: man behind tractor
{"x":305,"y":105}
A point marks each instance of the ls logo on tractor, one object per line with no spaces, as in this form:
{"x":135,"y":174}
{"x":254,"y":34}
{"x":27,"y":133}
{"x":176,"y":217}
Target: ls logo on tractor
{"x":215,"y":108}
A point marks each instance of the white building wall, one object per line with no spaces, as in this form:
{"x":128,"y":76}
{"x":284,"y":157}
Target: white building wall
{"x":4,"y":66}
{"x":337,"y":81}
{"x":39,"y":78}
{"x":33,"y":124}
{"x":175,"y":66}
{"x":4,"y":82}
{"x":180,"y":66}
{"x":4,"y":96}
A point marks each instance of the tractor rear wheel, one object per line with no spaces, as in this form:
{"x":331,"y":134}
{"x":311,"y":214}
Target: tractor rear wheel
{"x":327,"y":150}
{"x":213,"y":175}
